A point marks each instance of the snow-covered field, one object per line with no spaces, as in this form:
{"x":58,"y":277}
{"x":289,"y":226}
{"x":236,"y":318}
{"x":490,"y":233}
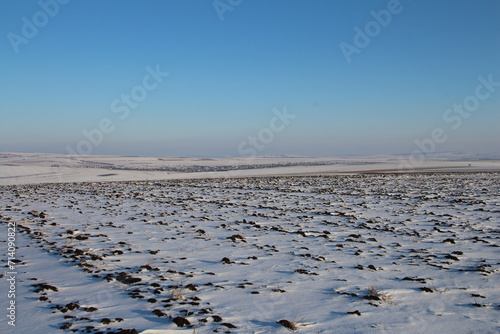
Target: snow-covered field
{"x":30,"y":168}
{"x":371,"y":253}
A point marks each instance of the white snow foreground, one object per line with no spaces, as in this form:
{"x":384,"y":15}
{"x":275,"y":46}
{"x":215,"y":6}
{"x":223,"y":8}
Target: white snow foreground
{"x":411,"y":253}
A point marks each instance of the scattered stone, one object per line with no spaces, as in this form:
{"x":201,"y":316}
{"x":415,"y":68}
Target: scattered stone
{"x":355,"y":312}
{"x":287,"y":324}
{"x":181,"y":321}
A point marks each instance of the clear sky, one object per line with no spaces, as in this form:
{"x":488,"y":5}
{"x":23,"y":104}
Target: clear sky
{"x":345,"y":77}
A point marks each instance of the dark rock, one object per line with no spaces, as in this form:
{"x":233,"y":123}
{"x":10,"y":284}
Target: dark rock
{"x":181,"y":321}
{"x":355,"y":312}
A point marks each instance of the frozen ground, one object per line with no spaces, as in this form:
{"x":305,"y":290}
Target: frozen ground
{"x":371,"y":253}
{"x":29,"y":168}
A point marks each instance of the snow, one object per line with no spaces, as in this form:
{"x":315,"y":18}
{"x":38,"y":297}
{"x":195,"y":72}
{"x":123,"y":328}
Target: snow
{"x":35,"y":168}
{"x":250,"y":252}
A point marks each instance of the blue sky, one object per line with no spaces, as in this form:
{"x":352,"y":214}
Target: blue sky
{"x":231,"y":63}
